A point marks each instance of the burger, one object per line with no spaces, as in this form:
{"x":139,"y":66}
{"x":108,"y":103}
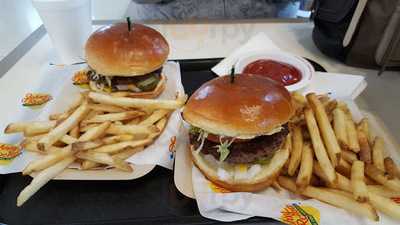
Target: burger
{"x":238,"y":129}
{"x":126,"y":61}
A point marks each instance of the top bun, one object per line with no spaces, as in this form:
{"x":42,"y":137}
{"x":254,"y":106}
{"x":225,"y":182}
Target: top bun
{"x":250,"y":106}
{"x":115,"y":51}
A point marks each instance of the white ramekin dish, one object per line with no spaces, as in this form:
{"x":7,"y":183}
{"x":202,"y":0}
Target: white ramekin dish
{"x":306,"y":69}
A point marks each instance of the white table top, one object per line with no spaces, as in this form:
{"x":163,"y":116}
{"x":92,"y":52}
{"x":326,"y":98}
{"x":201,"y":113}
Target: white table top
{"x":190,"y":41}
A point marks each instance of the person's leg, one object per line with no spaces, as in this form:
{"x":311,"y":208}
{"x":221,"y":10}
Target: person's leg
{"x":252,"y":9}
{"x":177,"y":10}
{"x":247,"y":9}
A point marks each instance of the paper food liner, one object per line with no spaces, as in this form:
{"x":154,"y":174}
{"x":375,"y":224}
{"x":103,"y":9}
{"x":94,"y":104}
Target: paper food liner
{"x":161,"y":152}
{"x":64,"y":92}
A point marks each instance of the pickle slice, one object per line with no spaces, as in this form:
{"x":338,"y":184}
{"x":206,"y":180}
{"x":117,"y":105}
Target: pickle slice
{"x":149,"y":83}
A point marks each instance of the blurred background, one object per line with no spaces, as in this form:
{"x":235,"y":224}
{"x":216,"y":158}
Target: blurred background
{"x":18,"y":18}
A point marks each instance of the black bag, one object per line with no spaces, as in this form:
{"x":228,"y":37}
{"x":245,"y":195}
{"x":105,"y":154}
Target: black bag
{"x":363,"y":33}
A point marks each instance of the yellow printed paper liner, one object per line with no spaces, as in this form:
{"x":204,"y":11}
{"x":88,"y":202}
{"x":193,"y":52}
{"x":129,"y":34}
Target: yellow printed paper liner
{"x":58,"y":84}
{"x":218,"y":203}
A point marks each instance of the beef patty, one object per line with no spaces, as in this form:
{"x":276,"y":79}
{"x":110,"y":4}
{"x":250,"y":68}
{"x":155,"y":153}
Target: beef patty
{"x":245,"y":152}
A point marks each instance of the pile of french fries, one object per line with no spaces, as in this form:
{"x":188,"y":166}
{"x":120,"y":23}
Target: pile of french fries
{"x":98,"y":131}
{"x":337,"y":161}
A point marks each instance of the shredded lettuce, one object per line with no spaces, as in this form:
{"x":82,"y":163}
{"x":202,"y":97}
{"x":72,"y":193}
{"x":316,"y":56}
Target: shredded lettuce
{"x":194,"y":130}
{"x":202,"y":136}
{"x":223,"y":148}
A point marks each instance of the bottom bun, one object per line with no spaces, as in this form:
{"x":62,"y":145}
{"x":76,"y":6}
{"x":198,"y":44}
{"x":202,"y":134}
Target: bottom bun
{"x":146,"y":94}
{"x":259,"y":181}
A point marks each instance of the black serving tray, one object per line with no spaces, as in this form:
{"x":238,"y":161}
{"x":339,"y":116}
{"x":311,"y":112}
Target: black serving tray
{"x":152,"y":199}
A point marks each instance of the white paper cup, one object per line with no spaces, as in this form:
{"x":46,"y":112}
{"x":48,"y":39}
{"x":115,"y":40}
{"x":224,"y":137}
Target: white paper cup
{"x":69,"y":24}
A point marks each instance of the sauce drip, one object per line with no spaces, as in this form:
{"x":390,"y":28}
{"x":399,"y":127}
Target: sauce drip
{"x":283,"y":73}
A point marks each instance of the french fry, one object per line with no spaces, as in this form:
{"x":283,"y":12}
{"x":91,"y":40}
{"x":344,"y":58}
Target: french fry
{"x":131,"y":129}
{"x":318,"y":146}
{"x":329,"y":106}
{"x":87,"y":165}
{"x":341,"y":201}
{"x":288,"y":142}
{"x":380,"y":177}
{"x":107,"y":108}
{"x":75,"y":133}
{"x":305,"y":172}
{"x":160,"y":125}
{"x":67,"y":139}
{"x":42,"y":178}
{"x":105,"y":158}
{"x":64,"y":115}
{"x":90,"y":115}
{"x":113,"y":117}
{"x":333,"y":198}
{"x":114,"y":148}
{"x":85,"y":145}
{"x":33,"y":128}
{"x":298,"y":97}
{"x":34,"y":138}
{"x":339,"y":126}
{"x":342,"y":182}
{"x":95,"y":132}
{"x":127,"y":152}
{"x":117,"y":138}
{"x":377,"y":153}
{"x":383,"y":191}
{"x":331,"y":143}
{"x":287,"y":183}
{"x":352,"y":137}
{"x":391,"y":168}
{"x":77,"y":102}
{"x":276,"y":186}
{"x":134,"y":121}
{"x":63,"y":128}
{"x":323,"y":98}
{"x":344,"y":108}
{"x":341,"y":192}
{"x":365,"y":150}
{"x":349,"y":156}
{"x":364,"y":126}
{"x":57,"y":116}
{"x":295,"y":155}
{"x":31,"y":146}
{"x":369,"y":181}
{"x":358,"y":185}
{"x":39,"y":128}
{"x":317,"y":170}
{"x":385,"y":205}
{"x":137,"y":102}
{"x":48,"y":160}
{"x":344,"y":168}
{"x":87,"y":127}
{"x":154,"y":117}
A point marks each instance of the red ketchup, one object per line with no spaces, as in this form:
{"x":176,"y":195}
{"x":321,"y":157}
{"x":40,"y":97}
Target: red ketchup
{"x":282,"y":72}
